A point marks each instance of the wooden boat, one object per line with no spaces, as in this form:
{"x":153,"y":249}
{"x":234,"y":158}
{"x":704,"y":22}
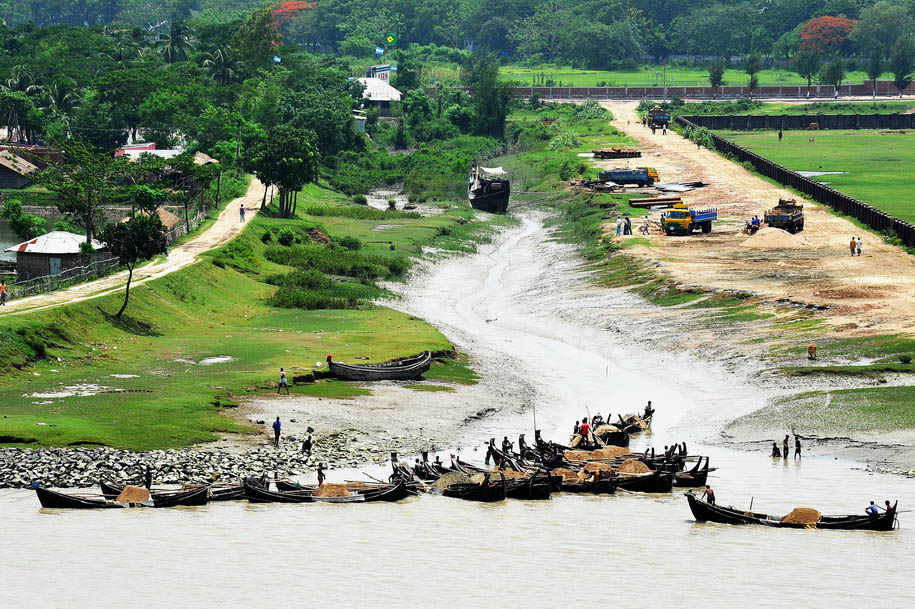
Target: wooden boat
{"x":53,"y":499}
{"x":404,"y":369}
{"x":370,"y":493}
{"x":111,"y":491}
{"x":706,"y":512}
{"x":697,"y":476}
{"x":533,"y":488}
{"x":604,"y":486}
{"x":486,"y":492}
{"x":255,"y":492}
{"x":656,"y":482}
{"x":489,"y":189}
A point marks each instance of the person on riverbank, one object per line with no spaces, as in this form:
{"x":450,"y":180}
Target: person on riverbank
{"x":619,"y":226}
{"x":797,"y":446}
{"x":276,"y":431}
{"x":283,"y":383}
{"x":241,"y":213}
{"x":709,"y":495}
{"x":858,"y":241}
{"x":780,"y":135}
{"x":785,"y":447}
{"x":506,"y":445}
{"x":811,"y":352}
{"x":852,"y":246}
{"x":307,"y":445}
{"x":775,"y":451}
{"x":320,"y":474}
{"x":4,"y":293}
{"x":627,"y":226}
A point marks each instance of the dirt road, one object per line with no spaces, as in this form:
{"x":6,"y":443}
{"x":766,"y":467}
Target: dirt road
{"x":227,"y":226}
{"x":867,"y":295}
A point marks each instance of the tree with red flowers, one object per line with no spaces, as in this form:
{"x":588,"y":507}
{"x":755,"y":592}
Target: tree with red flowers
{"x":284,"y":12}
{"x":826,"y":34}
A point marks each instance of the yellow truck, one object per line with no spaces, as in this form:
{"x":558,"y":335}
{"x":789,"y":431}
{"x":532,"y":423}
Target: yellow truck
{"x":681,"y":220}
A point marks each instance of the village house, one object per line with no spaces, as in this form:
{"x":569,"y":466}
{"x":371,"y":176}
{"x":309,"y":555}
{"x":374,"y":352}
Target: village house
{"x":15,"y":171}
{"x":380,"y":94}
{"x":52,"y":254}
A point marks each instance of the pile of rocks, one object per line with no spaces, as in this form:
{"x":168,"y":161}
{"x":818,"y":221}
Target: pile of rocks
{"x":83,"y":466}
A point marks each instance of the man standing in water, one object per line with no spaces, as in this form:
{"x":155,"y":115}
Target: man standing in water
{"x":785,"y":447}
{"x":320,"y":474}
{"x":797,"y":446}
{"x":276,"y":432}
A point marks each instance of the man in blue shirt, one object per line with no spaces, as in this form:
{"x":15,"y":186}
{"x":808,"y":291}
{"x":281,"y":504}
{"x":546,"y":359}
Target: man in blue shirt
{"x":872,"y":510}
{"x":276,"y":433}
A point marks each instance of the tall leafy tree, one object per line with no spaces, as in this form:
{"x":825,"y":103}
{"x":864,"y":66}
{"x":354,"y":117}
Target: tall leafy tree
{"x":807,"y":64}
{"x":490,"y":97}
{"x":834,"y":72}
{"x":221,"y":65}
{"x":826,"y":34}
{"x":255,"y":38}
{"x":902,"y":62}
{"x":716,"y":74}
{"x":134,"y":241}
{"x":175,"y":45}
{"x":874,"y":69}
{"x":880,"y":26}
{"x":288,"y":159}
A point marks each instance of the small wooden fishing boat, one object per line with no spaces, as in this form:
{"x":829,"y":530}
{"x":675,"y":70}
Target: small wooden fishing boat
{"x":53,"y":499}
{"x":655,"y":482}
{"x":256,"y":492}
{"x":188,"y":496}
{"x":533,"y":488}
{"x":369,"y":492}
{"x":489,"y":189}
{"x":403,"y":369}
{"x":604,"y":486}
{"x":697,"y":476}
{"x":707,"y":512}
{"x":486,"y":492}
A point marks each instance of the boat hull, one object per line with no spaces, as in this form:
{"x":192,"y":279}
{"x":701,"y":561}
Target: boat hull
{"x":494,"y":202}
{"x":401,"y":370}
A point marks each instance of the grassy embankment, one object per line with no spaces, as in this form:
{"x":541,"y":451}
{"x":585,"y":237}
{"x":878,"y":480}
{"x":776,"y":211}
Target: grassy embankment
{"x":225,"y":305}
{"x":653,"y":76}
{"x":580,"y":219}
{"x":744,"y":107}
{"x":878,"y":166}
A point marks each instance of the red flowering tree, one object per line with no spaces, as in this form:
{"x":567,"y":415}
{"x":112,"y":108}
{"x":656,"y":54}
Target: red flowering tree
{"x":826,"y":34}
{"x":284,"y":12}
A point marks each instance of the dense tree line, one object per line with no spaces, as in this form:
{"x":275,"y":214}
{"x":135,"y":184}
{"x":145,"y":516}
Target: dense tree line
{"x":583,"y":33}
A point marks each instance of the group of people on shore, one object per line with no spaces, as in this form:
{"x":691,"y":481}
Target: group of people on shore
{"x":784,"y":452}
{"x":854,"y":246}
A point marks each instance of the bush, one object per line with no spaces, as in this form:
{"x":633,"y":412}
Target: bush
{"x":360,"y":200}
{"x":566,"y":139}
{"x":591,"y":109}
{"x":905,"y":359}
{"x":350,"y":243}
{"x":287,"y":237}
{"x":267,"y":237}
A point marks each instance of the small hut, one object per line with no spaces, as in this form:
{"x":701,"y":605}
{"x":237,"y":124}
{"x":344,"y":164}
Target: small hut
{"x":15,"y":171}
{"x":52,"y":254}
{"x":380,"y":94}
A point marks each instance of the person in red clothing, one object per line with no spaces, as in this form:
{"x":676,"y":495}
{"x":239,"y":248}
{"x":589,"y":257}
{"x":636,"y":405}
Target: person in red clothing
{"x":584,"y":430}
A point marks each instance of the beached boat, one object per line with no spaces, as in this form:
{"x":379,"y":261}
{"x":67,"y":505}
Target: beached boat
{"x":256,"y":492}
{"x":697,"y":476}
{"x":489,"y":189}
{"x":655,"y":482}
{"x":707,"y":512}
{"x":487,"y":491}
{"x":404,"y":369}
{"x":370,"y":492}
{"x":54,"y":499}
{"x":214,"y":493}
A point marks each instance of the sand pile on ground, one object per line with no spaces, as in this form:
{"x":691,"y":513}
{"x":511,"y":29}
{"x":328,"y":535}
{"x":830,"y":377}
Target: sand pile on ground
{"x":332,"y":490}
{"x":633,"y":466}
{"x":451,"y":478}
{"x":844,"y":292}
{"x":609,"y":452}
{"x":133,"y":494}
{"x":567,"y":474}
{"x":577,"y":455}
{"x":802,"y":515}
{"x":775,"y":238}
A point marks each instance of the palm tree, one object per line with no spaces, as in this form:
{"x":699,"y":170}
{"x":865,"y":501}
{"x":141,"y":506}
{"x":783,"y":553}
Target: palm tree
{"x":125,"y":43}
{"x":61,"y":97}
{"x":221,"y":65}
{"x":20,"y":80}
{"x":175,"y":44}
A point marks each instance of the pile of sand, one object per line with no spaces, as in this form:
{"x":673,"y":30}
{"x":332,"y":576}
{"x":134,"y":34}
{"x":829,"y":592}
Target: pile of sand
{"x":495,"y":477}
{"x":578,"y":455}
{"x":775,"y":238}
{"x":332,"y":490}
{"x":597,"y":466}
{"x":133,"y":494}
{"x":606,"y":428}
{"x":609,"y":452}
{"x":633,"y":466}
{"x":567,"y":474}
{"x":451,"y":478}
{"x":802,"y":516}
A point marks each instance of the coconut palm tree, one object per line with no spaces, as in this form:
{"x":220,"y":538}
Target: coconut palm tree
{"x":175,"y":44}
{"x":221,"y":65}
{"x":126,"y":43}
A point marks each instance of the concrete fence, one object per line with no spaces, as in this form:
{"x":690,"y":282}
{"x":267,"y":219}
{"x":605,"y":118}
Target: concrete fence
{"x":803,"y":121}
{"x":841,"y":202}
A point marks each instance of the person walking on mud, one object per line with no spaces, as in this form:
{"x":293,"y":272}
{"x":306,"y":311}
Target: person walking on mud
{"x":853,"y":245}
{"x":4,"y":293}
{"x":241,"y":212}
{"x":619,"y":225}
{"x":276,"y":431}
{"x":858,"y":242}
{"x":785,"y":447}
{"x":283,"y":383}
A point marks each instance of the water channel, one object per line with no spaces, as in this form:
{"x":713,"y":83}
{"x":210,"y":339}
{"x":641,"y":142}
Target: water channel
{"x":518,"y":308}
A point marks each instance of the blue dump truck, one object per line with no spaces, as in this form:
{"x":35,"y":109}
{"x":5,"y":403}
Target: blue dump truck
{"x":681,"y":220}
{"x":640,"y":176}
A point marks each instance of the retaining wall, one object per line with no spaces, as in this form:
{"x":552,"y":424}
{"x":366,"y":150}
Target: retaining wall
{"x":841,"y":202}
{"x":803,"y":121}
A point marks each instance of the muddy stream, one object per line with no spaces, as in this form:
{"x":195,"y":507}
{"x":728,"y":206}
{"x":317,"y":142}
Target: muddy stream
{"x":530,"y":322}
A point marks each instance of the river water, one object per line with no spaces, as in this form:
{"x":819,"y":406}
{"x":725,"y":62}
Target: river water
{"x":518,"y":309}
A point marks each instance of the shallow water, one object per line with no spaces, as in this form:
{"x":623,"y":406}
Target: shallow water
{"x":430,"y":551}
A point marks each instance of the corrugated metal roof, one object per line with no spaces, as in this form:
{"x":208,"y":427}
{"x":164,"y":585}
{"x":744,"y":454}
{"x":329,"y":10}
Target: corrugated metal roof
{"x":56,"y":242}
{"x":378,"y":90}
{"x":15,"y":163}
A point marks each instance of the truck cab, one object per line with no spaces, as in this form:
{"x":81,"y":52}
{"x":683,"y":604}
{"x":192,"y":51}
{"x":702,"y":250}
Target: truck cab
{"x":787,"y":215}
{"x":681,"y":220}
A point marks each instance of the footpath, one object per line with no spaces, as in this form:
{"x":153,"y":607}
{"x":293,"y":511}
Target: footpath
{"x":861,"y":296}
{"x":226,"y":227}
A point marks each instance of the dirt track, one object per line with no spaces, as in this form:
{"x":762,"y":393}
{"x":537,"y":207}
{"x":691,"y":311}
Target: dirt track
{"x":866,"y":295}
{"x":226,"y":227}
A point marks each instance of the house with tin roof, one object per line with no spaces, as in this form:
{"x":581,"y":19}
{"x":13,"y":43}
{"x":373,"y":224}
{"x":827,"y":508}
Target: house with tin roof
{"x":52,"y":254}
{"x":15,"y":171}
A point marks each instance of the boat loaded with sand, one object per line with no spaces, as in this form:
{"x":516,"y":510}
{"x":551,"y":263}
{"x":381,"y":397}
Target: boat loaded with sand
{"x":489,"y":189}
{"x":130,"y":496}
{"x":404,"y":369}
{"x":799,"y":518}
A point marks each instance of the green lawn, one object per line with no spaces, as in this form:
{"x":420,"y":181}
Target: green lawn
{"x":879,"y":167}
{"x":162,"y":396}
{"x":849,"y":410}
{"x":744,"y":107}
{"x":652,"y":76}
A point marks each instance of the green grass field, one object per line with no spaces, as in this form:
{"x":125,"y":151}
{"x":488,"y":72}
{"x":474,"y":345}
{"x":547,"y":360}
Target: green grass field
{"x":150,"y":390}
{"x":879,"y":167}
{"x":742,"y":107}
{"x":652,"y":76}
